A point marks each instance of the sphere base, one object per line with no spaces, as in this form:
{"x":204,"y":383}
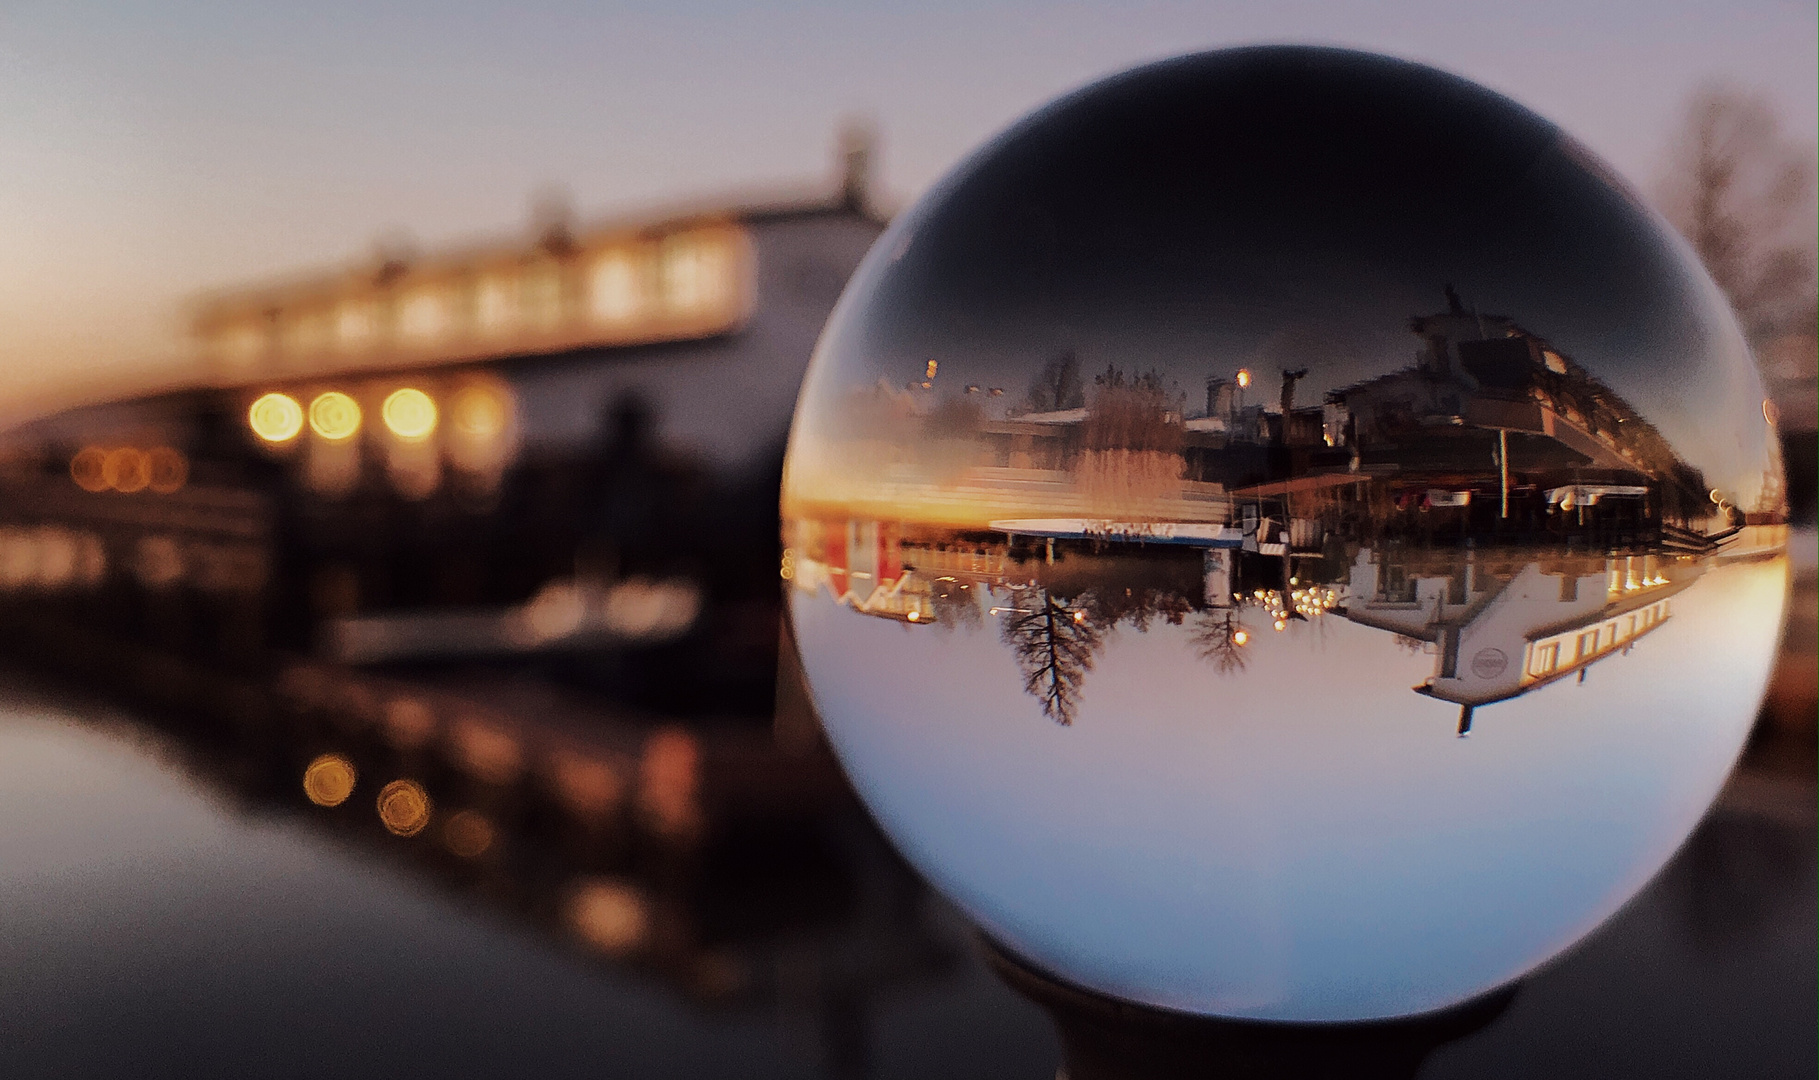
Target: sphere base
{"x":1106,"y":1039}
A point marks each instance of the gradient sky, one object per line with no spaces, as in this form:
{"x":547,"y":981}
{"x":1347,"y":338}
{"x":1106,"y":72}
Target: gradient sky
{"x":150,"y":151}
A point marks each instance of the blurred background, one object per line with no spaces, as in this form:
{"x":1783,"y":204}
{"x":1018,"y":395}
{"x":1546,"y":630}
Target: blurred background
{"x":393,"y":401}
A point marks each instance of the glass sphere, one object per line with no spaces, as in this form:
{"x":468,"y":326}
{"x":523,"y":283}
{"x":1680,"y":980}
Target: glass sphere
{"x":1284,"y":533}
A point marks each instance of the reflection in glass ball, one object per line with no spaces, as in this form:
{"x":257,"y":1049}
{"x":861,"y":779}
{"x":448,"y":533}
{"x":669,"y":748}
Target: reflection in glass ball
{"x":1282,"y":533}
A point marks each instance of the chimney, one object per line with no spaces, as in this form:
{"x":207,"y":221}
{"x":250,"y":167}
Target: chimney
{"x":857,"y":142}
{"x":1219,"y":397}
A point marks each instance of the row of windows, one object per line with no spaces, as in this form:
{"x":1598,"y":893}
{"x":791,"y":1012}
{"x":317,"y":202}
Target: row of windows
{"x":684,"y":276}
{"x":1572,"y":649}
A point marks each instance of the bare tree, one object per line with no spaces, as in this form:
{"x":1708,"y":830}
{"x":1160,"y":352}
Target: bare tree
{"x":1219,"y":638}
{"x":1742,"y":194}
{"x":1057,"y":386}
{"x":1054,"y":644}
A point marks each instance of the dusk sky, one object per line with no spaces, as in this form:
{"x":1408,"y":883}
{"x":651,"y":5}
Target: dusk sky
{"x":152,"y":151}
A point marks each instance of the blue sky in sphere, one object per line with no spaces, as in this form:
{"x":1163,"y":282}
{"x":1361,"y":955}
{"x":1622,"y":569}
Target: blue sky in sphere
{"x":1305,"y":839}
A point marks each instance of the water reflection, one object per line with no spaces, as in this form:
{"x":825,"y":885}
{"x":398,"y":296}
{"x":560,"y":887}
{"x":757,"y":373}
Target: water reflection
{"x":1178,"y":478}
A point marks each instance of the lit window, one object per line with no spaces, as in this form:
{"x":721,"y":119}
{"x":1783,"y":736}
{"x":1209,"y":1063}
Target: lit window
{"x":614,"y":293}
{"x":306,"y":334}
{"x":243,"y":344}
{"x":694,"y":275}
{"x":423,"y":317}
{"x":496,"y":306}
{"x":542,"y":297}
{"x":355,"y":325}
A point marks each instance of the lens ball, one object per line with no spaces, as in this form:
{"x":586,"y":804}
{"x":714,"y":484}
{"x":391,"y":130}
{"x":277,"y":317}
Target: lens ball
{"x":1286,"y":534}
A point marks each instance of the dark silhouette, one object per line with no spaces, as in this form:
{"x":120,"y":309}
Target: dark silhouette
{"x":1054,"y":644}
{"x":1058,"y":386}
{"x":1217,"y":640}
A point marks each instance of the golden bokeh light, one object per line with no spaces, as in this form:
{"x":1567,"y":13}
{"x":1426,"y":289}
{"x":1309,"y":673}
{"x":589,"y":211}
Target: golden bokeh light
{"x":334,"y":416}
{"x":409,"y":414}
{"x":479,"y":412}
{"x":669,"y":780}
{"x":1244,"y":378}
{"x":275,"y":417}
{"x":329,"y":780}
{"x":404,"y":807}
{"x":611,"y":916}
{"x":126,"y":469}
{"x":468,"y":834}
{"x":86,"y":468}
{"x":168,"y":470}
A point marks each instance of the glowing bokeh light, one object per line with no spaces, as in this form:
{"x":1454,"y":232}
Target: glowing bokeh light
{"x":275,"y":417}
{"x":468,"y":833}
{"x":334,"y":416}
{"x":478,"y":411}
{"x":329,"y":780}
{"x":409,"y":414}
{"x":404,"y":807}
{"x":168,"y":470}
{"x":86,"y":469}
{"x":609,"y":915}
{"x":126,"y":469}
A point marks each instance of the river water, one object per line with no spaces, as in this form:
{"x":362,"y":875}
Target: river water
{"x":156,"y":919}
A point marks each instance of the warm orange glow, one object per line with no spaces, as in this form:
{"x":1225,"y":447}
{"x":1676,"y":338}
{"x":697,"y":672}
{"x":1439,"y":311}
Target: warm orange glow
{"x":334,"y":416}
{"x":933,"y":366}
{"x":479,"y":412}
{"x":275,"y":418}
{"x":468,"y":834}
{"x":329,"y":780}
{"x":667,"y":782}
{"x":1240,"y":637}
{"x":914,"y":616}
{"x":126,"y":469}
{"x":169,"y":470}
{"x":404,"y":807}
{"x":409,"y":414}
{"x":1244,"y":378}
{"x":407,"y":724}
{"x":609,"y":915}
{"x":591,"y":787}
{"x":86,"y":468}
